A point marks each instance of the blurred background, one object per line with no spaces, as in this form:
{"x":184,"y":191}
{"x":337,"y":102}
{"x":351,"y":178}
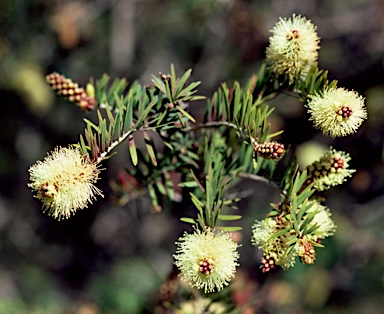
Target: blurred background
{"x":113,"y":259}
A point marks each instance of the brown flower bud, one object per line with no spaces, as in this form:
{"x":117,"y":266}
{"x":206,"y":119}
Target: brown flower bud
{"x":267,"y":264}
{"x":70,"y":90}
{"x":307,"y":253}
{"x":270,"y":150}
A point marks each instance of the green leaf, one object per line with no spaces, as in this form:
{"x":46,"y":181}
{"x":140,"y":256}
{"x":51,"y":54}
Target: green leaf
{"x":186,"y":114}
{"x":91,"y":124}
{"x":229,"y":217}
{"x":182,"y":81}
{"x":117,"y":127}
{"x":173,"y":80}
{"x":190,"y":184}
{"x":188,"y":220}
{"x":144,"y":115}
{"x":280,"y":233}
{"x":159,"y":83}
{"x":132,"y":149}
{"x":229,"y":228}
{"x":150,"y":150}
{"x":152,"y":194}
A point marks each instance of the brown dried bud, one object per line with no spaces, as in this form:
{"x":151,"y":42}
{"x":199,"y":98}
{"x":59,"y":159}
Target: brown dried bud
{"x":70,"y":90}
{"x":270,"y":150}
{"x":307,"y":253}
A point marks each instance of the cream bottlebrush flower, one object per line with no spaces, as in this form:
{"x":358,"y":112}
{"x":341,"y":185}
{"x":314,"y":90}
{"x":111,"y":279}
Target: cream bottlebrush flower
{"x":330,"y":170}
{"x":207,"y":259}
{"x":281,"y":250}
{"x":63,"y":181}
{"x":337,"y":112}
{"x":292,"y":47}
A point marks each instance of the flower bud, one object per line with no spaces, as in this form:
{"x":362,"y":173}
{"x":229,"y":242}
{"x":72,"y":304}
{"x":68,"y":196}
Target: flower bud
{"x":72,"y":91}
{"x":270,"y":150}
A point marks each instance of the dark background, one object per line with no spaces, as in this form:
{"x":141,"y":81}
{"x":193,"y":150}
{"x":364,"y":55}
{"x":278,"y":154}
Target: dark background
{"x":111,"y":259}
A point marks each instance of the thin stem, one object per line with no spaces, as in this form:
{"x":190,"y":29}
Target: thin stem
{"x":114,"y":144}
{"x":258,"y":178}
{"x":214,"y":124}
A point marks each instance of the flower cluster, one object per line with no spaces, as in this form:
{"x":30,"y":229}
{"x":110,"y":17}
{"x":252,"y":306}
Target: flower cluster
{"x":330,"y":170}
{"x":63,"y":181}
{"x":207,"y":259}
{"x":337,"y":112}
{"x":293,"y":47}
{"x":72,"y":91}
{"x":280,"y":243}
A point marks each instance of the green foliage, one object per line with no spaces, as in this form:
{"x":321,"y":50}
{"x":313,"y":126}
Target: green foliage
{"x":315,"y":82}
{"x":176,"y":158}
{"x":199,"y":160}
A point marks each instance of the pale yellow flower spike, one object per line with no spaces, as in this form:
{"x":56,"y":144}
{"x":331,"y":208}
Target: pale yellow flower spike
{"x":207,"y":259}
{"x":293,"y":47}
{"x":63,"y":181}
{"x":337,"y":112}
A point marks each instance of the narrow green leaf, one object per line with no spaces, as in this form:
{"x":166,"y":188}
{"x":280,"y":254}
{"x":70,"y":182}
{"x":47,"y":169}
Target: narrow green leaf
{"x":229,"y":228}
{"x":169,"y":185}
{"x":274,"y":134}
{"x":150,"y":150}
{"x":229,"y":217}
{"x":199,"y":205}
{"x":144,"y":115}
{"x":117,"y":127}
{"x":182,"y":81}
{"x":190,"y":184}
{"x":160,"y":186}
{"x":280,"y":233}
{"x":173,"y":80}
{"x":132,"y":149}
{"x":188,"y":220}
{"x":111,"y":119}
{"x":128,"y":116}
{"x":91,"y":124}
{"x":153,"y":195}
{"x":186,"y":114}
{"x":189,"y":90}
{"x":168,"y":92}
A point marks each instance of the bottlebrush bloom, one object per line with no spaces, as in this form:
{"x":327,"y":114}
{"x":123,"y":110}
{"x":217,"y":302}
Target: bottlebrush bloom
{"x":292,"y":47}
{"x":63,"y":181}
{"x":276,"y":250}
{"x":330,"y":170}
{"x":337,"y":112}
{"x":207,"y":259}
{"x":282,"y":248}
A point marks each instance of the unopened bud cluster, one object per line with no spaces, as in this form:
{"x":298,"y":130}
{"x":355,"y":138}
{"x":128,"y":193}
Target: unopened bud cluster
{"x":330,"y":170}
{"x":270,"y":150}
{"x":70,"y":90}
{"x":267,"y":264}
{"x":306,"y":252}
